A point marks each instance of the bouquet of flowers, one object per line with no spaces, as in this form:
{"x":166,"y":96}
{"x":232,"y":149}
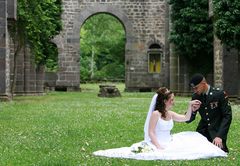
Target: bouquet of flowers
{"x":141,"y":147}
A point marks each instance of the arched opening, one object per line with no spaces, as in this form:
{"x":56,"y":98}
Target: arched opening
{"x":102,"y":48}
{"x":51,"y":67}
{"x":154,"y":58}
{"x":52,"y":59}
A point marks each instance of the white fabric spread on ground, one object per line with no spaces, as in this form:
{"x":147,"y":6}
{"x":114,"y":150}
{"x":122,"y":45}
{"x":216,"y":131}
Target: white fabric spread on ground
{"x":181,"y":146}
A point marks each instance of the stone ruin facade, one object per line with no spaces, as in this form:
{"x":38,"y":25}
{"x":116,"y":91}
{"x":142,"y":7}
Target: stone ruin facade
{"x":7,"y":11}
{"x":29,"y":78}
{"x":145,"y":23}
{"x":149,"y":58}
{"x":147,"y":27}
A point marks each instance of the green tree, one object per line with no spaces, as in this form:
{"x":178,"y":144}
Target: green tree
{"x":192,"y":33}
{"x":40,"y":21}
{"x":52,"y":57}
{"x":227,"y":21}
{"x":37,"y":23}
{"x":102,"y":44}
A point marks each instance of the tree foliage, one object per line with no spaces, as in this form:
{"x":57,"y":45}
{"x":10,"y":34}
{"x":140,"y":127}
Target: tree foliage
{"x":37,"y":23}
{"x":102,"y":48}
{"x":227,"y":21}
{"x":40,"y":21}
{"x":192,"y":32}
{"x":192,"y":29}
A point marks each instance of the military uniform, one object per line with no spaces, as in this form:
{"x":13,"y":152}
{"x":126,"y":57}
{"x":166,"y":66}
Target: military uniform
{"x":216,"y":115}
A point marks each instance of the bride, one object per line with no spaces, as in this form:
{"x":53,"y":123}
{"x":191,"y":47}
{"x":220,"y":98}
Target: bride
{"x":158,"y":142}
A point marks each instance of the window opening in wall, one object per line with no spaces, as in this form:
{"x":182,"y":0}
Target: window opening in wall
{"x":154,"y":58}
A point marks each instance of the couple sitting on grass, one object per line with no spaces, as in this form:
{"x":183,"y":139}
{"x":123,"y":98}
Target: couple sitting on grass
{"x":159,"y":144}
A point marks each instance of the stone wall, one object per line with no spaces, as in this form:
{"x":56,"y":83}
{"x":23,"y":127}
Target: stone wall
{"x":29,"y":78}
{"x":230,"y":71}
{"x":12,"y":9}
{"x":218,"y":63}
{"x":226,"y":68}
{"x":4,"y":53}
{"x":145,"y":23}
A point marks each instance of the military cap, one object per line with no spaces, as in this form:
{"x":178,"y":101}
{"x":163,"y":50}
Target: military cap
{"x":196,"y":79}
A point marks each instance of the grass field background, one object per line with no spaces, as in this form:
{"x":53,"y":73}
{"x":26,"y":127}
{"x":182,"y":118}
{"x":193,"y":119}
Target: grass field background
{"x":64,"y":128}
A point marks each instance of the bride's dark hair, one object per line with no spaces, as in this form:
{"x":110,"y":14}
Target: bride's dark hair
{"x":163,"y":94}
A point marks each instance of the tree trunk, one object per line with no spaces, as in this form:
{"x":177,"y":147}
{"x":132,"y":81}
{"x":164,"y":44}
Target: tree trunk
{"x":92,"y":64}
{"x":17,"y":48}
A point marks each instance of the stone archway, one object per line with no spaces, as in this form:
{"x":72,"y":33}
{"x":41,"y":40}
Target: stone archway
{"x":143,"y":22}
{"x":73,"y":39}
{"x":84,"y":15}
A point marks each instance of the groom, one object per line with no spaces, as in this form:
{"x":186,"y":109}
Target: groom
{"x":215,"y":111}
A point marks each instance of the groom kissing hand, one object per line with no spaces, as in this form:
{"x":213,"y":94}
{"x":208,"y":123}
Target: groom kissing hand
{"x":215,"y":111}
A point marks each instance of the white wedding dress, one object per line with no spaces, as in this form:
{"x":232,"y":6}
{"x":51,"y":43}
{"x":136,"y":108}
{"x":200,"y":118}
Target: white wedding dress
{"x":181,"y":146}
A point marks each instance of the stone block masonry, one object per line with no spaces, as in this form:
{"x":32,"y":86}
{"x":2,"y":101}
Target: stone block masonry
{"x":144,"y":23}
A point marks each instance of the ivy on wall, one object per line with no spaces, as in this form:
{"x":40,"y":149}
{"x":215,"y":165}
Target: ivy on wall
{"x":192,"y":33}
{"x":40,"y":21}
{"x":192,"y":29}
{"x":227,"y":21}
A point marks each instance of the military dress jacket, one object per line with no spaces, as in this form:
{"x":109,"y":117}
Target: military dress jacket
{"x":215,"y":112}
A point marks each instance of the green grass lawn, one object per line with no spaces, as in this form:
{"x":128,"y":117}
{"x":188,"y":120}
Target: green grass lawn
{"x":64,"y":128}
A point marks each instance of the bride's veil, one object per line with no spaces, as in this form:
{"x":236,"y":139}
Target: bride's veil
{"x":151,"y":109}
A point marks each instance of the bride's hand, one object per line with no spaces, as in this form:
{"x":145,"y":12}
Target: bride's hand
{"x":195,"y":104}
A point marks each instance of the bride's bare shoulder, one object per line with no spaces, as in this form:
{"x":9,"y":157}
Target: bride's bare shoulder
{"x":156,"y":113}
{"x":171,"y":114}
